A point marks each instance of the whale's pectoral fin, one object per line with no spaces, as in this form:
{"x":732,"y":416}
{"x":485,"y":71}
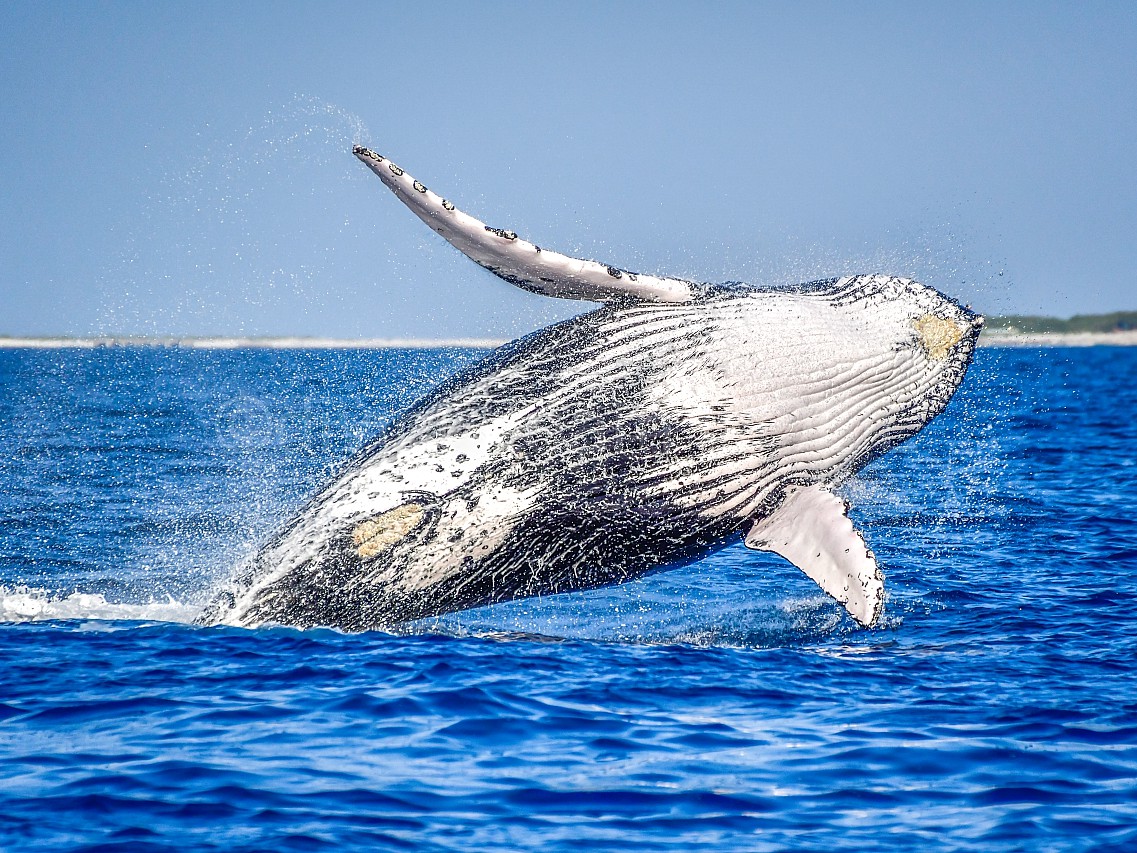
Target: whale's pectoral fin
{"x":518,"y":261}
{"x":812,"y":531}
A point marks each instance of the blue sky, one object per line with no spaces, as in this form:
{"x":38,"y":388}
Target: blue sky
{"x":185,"y":168}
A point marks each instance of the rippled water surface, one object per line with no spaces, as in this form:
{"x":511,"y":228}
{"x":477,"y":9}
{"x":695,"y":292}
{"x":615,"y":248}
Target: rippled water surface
{"x":724,"y":706}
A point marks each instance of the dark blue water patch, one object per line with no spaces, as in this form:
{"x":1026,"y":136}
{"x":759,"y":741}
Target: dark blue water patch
{"x":726,"y":705}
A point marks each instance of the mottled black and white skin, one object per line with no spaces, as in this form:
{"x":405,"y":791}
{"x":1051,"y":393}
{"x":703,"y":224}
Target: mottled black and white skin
{"x":636,"y":437}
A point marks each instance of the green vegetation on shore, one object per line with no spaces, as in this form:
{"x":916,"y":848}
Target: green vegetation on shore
{"x":1117,"y":321}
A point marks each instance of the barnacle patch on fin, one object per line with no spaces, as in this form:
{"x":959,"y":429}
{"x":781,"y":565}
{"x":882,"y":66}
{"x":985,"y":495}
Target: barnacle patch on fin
{"x":359,"y":151}
{"x":937,"y":335}
{"x":501,"y":232}
{"x":377,"y":534}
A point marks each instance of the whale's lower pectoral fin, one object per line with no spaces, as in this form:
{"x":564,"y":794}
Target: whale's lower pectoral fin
{"x":812,"y":531}
{"x":518,"y":261}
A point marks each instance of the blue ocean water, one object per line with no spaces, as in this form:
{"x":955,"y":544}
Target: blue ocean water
{"x":724,"y":706}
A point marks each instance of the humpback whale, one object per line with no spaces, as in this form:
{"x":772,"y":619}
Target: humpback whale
{"x":635,"y":437}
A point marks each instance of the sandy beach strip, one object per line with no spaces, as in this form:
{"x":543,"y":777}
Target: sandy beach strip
{"x":1000,"y":338}
{"x":248,"y":343}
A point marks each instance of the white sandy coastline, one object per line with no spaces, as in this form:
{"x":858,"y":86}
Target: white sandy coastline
{"x":989,"y":339}
{"x":1000,"y":338}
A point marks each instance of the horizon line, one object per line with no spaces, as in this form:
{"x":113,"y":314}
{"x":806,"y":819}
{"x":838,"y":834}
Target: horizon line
{"x":989,"y":337}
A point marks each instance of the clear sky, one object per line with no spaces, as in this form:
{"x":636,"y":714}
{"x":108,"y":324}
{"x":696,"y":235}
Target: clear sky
{"x":185,"y":168}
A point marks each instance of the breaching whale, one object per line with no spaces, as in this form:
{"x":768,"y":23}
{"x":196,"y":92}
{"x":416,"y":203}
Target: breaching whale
{"x":635,"y":437}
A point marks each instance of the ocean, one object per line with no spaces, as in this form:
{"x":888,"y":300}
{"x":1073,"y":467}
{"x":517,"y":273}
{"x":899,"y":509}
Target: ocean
{"x":727,"y":705}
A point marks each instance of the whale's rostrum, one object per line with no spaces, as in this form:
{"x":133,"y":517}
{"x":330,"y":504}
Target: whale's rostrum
{"x":635,"y":437}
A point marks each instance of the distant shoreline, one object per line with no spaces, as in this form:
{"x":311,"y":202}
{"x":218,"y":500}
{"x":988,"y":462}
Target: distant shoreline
{"x":1004,"y":338}
{"x":990,"y":338}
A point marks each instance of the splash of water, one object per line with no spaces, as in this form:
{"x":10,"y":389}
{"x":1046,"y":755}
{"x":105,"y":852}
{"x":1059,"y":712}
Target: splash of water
{"x":221,"y":244}
{"x":34,"y":604}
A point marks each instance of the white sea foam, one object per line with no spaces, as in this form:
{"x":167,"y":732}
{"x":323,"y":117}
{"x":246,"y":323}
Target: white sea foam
{"x":32,"y":604}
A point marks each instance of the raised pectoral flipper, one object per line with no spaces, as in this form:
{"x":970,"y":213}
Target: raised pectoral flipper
{"x":518,"y":261}
{"x":812,"y":531}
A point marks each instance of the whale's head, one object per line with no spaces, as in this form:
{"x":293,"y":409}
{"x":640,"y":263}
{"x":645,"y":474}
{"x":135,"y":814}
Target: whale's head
{"x":935,"y":338}
{"x":912,"y":348}
{"x":841,"y":371}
